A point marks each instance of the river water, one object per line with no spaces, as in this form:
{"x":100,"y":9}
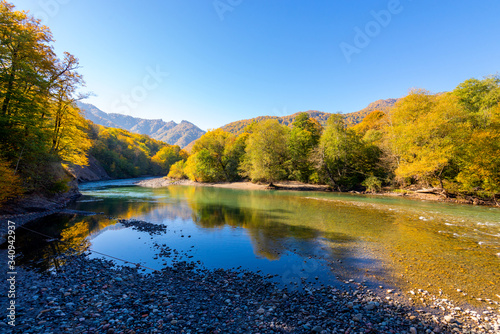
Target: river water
{"x":312,"y":237}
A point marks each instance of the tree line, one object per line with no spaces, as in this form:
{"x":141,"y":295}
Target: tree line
{"x":450,"y":141}
{"x":125,"y":155}
{"x":41,"y":127}
{"x":39,"y":122}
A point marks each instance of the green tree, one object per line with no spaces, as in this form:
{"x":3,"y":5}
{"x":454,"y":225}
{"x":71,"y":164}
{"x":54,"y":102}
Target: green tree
{"x":342,"y":158}
{"x":304,"y":137}
{"x":267,"y":152}
{"x":215,"y":157}
{"x":478,"y":142}
{"x":166,"y":157}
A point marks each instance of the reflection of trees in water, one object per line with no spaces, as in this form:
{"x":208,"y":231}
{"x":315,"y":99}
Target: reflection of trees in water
{"x":268,"y":227}
{"x":161,"y":204}
{"x":72,"y":231}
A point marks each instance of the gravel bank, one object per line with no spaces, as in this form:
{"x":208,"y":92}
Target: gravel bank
{"x":97,"y":296}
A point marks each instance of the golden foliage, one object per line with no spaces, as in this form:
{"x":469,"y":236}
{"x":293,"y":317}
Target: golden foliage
{"x":10,"y":184}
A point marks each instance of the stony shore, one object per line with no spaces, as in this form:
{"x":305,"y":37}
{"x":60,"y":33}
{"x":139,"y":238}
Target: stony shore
{"x":97,"y":296}
{"x":32,"y":208}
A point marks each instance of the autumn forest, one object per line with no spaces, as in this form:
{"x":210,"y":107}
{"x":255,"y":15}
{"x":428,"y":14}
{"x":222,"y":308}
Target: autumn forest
{"x":449,"y":141}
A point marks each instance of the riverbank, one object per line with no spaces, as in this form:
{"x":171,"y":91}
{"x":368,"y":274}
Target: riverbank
{"x":96,"y":296}
{"x":416,"y":194}
{"x":244,"y":185}
{"x":34,"y":207}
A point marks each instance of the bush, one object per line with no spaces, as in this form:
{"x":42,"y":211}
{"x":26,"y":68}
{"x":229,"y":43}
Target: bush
{"x":372,"y":184}
{"x":177,"y":171}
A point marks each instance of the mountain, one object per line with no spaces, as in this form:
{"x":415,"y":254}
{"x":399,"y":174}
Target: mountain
{"x":382,"y":105}
{"x":170,"y":132}
{"x":351,"y":118}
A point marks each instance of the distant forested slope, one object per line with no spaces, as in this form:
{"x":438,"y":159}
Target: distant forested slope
{"x":350,"y":119}
{"x":124,"y":154}
{"x":180,"y":134}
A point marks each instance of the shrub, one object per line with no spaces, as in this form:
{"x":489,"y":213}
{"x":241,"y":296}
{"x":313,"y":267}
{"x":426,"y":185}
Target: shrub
{"x":177,"y":170}
{"x":372,"y":184}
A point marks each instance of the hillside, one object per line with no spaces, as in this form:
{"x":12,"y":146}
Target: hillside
{"x":351,"y":118}
{"x":356,"y":117}
{"x":122,"y":154}
{"x":170,"y":132}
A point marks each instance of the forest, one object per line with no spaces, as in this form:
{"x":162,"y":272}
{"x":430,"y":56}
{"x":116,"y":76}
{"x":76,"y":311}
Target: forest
{"x":449,"y":141}
{"x":41,"y":128}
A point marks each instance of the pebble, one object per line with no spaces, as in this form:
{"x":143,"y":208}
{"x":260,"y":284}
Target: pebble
{"x":448,"y":318}
{"x":184,"y":298}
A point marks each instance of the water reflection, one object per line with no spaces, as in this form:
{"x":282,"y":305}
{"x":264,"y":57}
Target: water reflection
{"x":427,"y":245}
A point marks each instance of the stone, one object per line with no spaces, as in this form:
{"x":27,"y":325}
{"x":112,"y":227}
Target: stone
{"x":448,"y":318}
{"x":370,"y":306}
{"x":357,"y":317}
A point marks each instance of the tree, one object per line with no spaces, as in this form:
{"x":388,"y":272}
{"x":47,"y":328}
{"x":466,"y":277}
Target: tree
{"x":10,"y":184}
{"x":39,"y":123}
{"x":341,"y":157}
{"x":479,"y":97}
{"x":423,"y":136}
{"x":27,"y":64}
{"x":177,"y":170}
{"x":215,"y":157}
{"x":267,"y":152}
{"x":304,"y":137}
{"x":478,"y":156}
{"x":167,"y":156}
{"x":371,"y":127}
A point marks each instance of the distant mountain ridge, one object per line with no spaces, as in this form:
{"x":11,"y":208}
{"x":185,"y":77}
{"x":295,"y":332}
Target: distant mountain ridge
{"x":351,"y":118}
{"x":170,"y":132}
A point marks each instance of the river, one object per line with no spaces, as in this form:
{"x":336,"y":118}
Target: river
{"x":297,"y":237}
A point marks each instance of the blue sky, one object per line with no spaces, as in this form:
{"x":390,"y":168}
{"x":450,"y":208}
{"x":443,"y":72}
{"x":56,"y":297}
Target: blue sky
{"x":213,"y":62}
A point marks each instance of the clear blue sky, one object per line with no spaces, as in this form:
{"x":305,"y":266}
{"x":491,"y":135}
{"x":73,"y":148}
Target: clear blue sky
{"x":235,"y":59}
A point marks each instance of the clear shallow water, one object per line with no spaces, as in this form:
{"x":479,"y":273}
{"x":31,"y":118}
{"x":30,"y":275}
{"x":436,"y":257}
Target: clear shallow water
{"x":310,"y":235}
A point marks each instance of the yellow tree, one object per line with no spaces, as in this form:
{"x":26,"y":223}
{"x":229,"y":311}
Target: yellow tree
{"x":479,"y":152}
{"x":422,"y":135}
{"x":26,"y":64}
{"x":267,"y":152}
